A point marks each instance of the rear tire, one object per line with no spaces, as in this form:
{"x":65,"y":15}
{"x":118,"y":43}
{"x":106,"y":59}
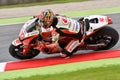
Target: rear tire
{"x":106,"y":34}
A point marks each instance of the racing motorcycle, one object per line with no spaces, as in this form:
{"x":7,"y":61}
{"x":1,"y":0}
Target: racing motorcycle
{"x":98,"y":36}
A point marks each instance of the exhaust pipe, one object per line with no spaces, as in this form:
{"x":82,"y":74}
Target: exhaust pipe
{"x":94,"y":46}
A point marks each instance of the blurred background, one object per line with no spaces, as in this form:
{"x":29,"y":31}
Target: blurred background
{"x":9,"y":2}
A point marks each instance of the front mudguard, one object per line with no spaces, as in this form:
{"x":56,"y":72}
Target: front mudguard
{"x":26,"y":41}
{"x":16,"y":42}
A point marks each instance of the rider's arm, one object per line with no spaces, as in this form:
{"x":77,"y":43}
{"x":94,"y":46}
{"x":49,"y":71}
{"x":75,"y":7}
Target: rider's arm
{"x":55,"y":35}
{"x":38,"y":25}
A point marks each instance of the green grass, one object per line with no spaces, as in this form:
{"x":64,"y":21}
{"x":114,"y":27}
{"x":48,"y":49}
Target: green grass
{"x":101,"y":73}
{"x":41,"y":3}
{"x":69,"y":14}
{"x":93,"y":12}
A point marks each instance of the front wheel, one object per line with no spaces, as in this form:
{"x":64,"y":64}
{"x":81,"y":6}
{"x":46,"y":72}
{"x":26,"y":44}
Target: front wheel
{"x":16,"y":52}
{"x":106,"y":35}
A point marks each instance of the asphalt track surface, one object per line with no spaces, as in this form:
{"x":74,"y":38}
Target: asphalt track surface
{"x":10,"y":32}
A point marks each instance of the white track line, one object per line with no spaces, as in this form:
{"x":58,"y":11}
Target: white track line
{"x":2,"y":66}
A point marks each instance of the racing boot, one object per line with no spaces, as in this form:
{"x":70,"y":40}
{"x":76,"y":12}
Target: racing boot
{"x":83,"y":29}
{"x":65,"y":54}
{"x":84,"y":26}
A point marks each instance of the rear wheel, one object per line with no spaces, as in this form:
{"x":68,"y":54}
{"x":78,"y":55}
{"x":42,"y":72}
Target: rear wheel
{"x":106,"y":35}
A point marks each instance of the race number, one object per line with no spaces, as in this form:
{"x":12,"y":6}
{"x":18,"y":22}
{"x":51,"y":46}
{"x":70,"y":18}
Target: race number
{"x":64,"y":20}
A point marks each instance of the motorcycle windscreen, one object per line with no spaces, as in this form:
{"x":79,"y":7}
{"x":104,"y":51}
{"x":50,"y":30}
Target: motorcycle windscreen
{"x":31,"y":27}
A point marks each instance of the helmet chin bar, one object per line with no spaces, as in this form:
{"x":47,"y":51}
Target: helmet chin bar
{"x":47,"y":25}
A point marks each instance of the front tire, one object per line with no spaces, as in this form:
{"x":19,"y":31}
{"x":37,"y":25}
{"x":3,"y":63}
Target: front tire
{"x":16,"y":52}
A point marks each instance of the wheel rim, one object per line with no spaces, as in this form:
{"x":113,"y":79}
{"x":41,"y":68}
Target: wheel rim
{"x":19,"y":51}
{"x":106,"y":39}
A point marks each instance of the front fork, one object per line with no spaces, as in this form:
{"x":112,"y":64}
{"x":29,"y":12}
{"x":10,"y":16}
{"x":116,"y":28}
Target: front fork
{"x":25,"y":48}
{"x":25,"y":44}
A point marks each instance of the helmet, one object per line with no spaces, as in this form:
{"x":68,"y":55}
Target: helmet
{"x":46,"y":17}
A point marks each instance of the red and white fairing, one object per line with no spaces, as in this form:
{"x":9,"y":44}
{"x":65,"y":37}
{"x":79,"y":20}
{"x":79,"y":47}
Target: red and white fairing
{"x":98,"y":22}
{"x":71,"y":24}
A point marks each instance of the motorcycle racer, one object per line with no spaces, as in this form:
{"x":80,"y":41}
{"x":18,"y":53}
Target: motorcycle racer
{"x":63,"y":35}
{"x":65,"y":27}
